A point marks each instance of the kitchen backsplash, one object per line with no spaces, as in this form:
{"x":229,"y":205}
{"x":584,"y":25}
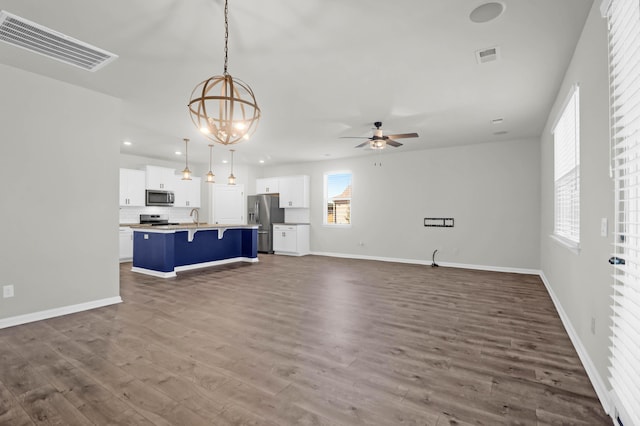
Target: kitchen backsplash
{"x":176,"y":214}
{"x":296,"y":215}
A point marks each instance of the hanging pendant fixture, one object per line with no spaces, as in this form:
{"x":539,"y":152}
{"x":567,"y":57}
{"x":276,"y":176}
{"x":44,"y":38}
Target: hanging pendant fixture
{"x":186,"y":173}
{"x":210,"y":175}
{"x":224,"y":109}
{"x":232,"y":178}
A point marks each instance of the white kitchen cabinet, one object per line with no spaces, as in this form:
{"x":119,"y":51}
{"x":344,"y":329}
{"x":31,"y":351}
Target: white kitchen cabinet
{"x":160,"y":178}
{"x":187,"y":192}
{"x":267,"y":185}
{"x":294,"y":191}
{"x":228,"y":204}
{"x":126,"y":244}
{"x":291,"y":240}
{"x":132,"y":184}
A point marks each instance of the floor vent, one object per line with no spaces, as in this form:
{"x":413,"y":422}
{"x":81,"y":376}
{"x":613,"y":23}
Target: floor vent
{"x":36,"y":38}
{"x":488,"y":55}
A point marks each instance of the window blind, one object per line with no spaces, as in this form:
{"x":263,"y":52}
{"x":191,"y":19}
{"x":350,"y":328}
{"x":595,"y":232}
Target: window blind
{"x":624,"y":81}
{"x":566,"y":147}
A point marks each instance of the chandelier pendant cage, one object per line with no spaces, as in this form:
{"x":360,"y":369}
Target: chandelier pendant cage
{"x":224,"y":109}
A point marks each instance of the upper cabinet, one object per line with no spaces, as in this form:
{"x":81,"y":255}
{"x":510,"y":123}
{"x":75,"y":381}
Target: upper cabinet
{"x":267,"y":185}
{"x":187,"y":192}
{"x":294,"y":191}
{"x":132,"y":183}
{"x":160,"y":178}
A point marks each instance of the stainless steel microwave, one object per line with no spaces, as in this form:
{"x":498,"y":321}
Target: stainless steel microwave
{"x":159,"y":198}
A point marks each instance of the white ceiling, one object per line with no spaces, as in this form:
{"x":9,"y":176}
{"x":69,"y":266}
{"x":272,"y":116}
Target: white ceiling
{"x":320,"y":69}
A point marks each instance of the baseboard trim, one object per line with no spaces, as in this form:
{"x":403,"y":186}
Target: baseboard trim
{"x":216,"y":263}
{"x":596,"y":380}
{"x":57,"y":312}
{"x":158,"y":274}
{"x":428,"y":263}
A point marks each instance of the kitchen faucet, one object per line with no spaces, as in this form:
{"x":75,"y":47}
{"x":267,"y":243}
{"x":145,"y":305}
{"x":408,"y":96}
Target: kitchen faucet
{"x":196,"y":220}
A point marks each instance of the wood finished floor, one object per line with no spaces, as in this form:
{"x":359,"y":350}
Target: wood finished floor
{"x":303,"y":341}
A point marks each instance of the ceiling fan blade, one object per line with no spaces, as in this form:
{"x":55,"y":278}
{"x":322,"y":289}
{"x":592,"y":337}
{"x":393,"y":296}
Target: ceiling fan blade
{"x":393,"y":143}
{"x":403,"y":135}
{"x":363,"y":144}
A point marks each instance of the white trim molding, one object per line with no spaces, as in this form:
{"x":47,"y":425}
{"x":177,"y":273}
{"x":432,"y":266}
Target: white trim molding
{"x":57,"y":312}
{"x":172,"y":274}
{"x":428,"y":263}
{"x":596,"y":380}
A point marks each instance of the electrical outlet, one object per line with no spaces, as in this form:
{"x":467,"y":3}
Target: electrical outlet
{"x":7,"y":291}
{"x":604,"y":227}
{"x":593,"y":325}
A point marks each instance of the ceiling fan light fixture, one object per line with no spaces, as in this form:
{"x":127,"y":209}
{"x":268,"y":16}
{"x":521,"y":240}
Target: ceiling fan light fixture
{"x":378,"y":144}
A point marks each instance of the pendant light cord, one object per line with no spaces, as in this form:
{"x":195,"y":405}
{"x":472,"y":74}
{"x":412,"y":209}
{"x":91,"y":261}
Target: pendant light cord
{"x":186,"y":152}
{"x":226,"y":35}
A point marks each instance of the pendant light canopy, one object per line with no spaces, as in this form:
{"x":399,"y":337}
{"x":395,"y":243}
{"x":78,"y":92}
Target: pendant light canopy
{"x":232,"y":178}
{"x":210,"y":176}
{"x":186,"y":173}
{"x":224,"y":109}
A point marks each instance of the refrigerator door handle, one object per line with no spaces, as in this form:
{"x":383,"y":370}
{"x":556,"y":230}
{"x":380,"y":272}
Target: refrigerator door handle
{"x":257,"y":210}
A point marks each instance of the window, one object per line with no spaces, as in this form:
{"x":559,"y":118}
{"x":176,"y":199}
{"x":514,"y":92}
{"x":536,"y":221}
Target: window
{"x":337,"y":198}
{"x":566,"y":148}
{"x":624,"y":76}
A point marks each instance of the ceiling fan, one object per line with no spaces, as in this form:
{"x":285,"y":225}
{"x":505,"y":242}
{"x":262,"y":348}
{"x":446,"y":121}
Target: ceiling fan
{"x":379,"y":141}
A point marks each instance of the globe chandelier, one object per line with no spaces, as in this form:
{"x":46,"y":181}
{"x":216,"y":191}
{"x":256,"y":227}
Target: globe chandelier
{"x":224,"y":109}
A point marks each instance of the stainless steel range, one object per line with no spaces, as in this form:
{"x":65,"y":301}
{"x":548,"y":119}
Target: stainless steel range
{"x":156,"y":220}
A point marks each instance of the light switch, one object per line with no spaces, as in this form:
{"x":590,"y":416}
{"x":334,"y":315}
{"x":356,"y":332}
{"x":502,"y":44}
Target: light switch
{"x":146,"y":236}
{"x":604,"y":227}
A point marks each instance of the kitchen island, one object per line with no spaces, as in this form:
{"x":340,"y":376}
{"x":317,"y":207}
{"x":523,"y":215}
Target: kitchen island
{"x":162,"y":251}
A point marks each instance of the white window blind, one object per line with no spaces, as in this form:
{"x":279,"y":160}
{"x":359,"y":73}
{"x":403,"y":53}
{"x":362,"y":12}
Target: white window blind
{"x":566,"y":148}
{"x":624,"y":75}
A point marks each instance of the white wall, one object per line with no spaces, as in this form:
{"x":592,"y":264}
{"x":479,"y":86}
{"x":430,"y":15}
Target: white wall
{"x":59,"y":168}
{"x":491,"y":190}
{"x":581,"y":282}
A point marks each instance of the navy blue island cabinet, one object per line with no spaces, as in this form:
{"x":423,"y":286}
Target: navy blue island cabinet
{"x":162,"y":251}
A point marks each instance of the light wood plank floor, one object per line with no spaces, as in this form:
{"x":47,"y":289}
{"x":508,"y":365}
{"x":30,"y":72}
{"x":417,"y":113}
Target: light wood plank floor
{"x":303,"y":341}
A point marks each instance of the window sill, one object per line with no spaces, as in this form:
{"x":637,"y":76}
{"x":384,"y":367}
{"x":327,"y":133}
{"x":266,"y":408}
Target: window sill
{"x":336,"y":225}
{"x":572,"y":246}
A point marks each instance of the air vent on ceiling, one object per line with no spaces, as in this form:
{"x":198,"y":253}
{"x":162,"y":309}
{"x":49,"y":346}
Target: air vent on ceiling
{"x":488,"y":55}
{"x":36,"y":38}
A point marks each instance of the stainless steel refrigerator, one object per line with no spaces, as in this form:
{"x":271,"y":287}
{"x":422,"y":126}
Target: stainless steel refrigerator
{"x":264,"y":210}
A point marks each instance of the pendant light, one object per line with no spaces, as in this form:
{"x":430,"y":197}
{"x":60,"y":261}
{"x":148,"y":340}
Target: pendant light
{"x":232,"y":178}
{"x":224,"y":109}
{"x":210,"y":175}
{"x":186,"y":173}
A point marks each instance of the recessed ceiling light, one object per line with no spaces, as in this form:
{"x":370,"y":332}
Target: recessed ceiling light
{"x":261,"y":161}
{"x":126,"y":143}
{"x":497,"y":121}
{"x":178,"y":153}
{"x":501,"y":132}
{"x":486,"y":12}
{"x":224,"y":161}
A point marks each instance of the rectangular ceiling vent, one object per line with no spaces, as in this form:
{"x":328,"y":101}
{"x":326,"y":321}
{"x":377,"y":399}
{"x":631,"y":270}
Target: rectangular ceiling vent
{"x":488,"y":55}
{"x":36,"y":38}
